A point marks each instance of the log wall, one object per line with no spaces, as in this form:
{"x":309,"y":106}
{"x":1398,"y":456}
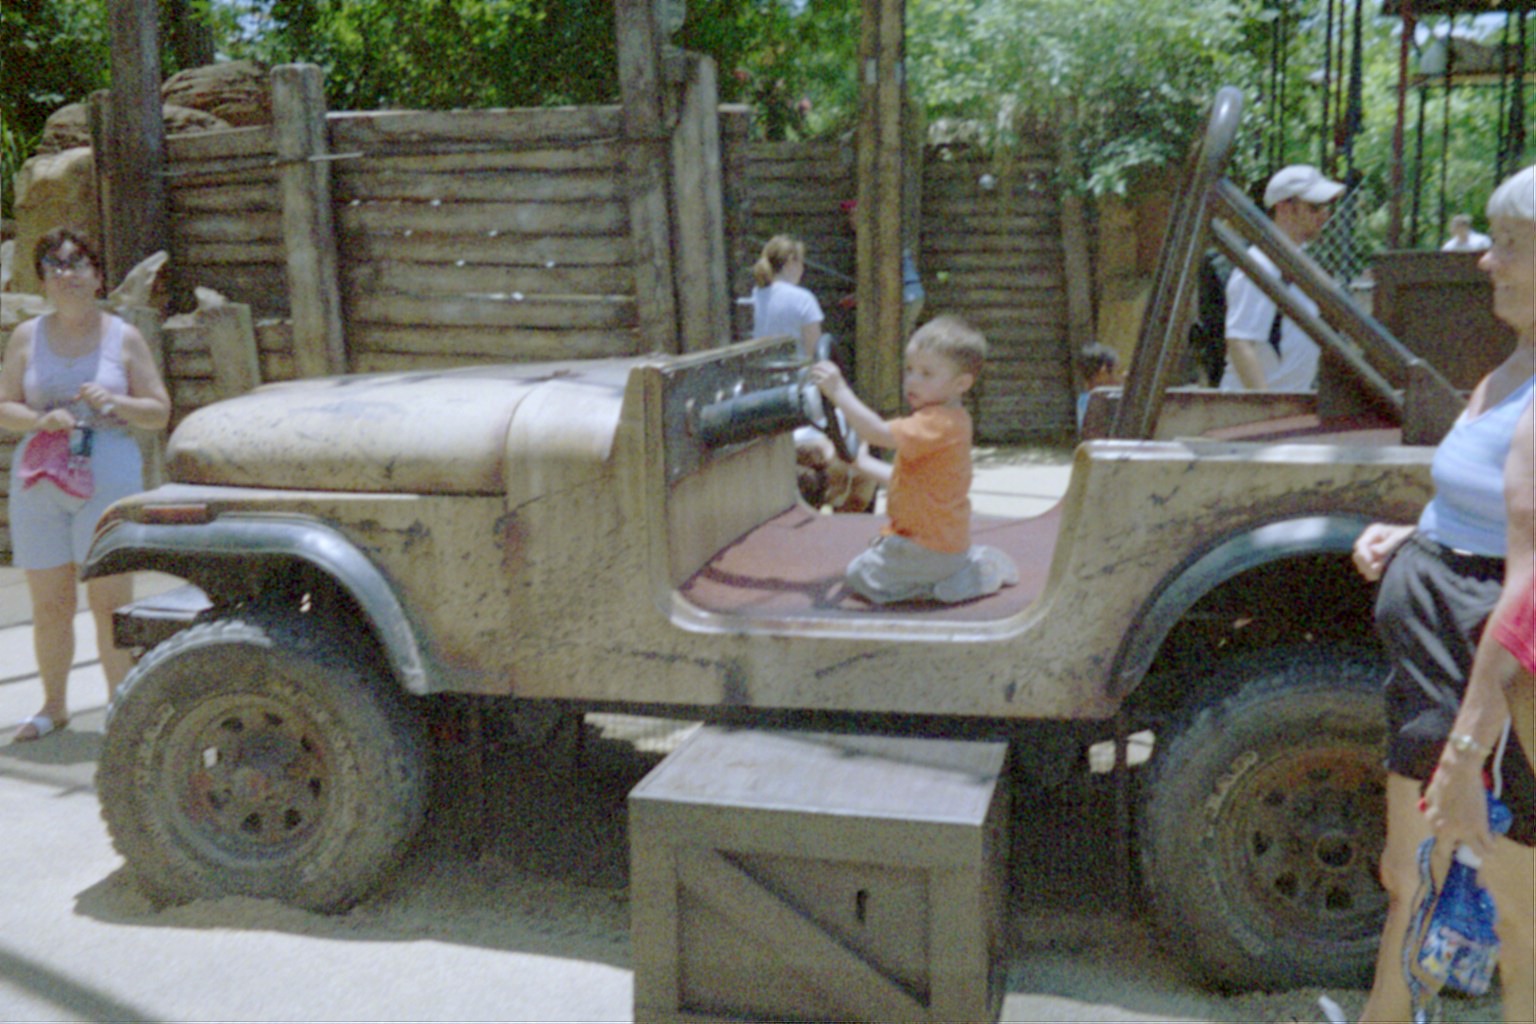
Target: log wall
{"x":990,"y":255}
{"x":463,"y":237}
{"x":504,"y":235}
{"x":485,"y":235}
{"x":796,"y":188}
{"x":994,"y":256}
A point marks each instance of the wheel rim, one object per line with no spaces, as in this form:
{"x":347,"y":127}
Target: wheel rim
{"x":1303,"y":835}
{"x":248,"y":778}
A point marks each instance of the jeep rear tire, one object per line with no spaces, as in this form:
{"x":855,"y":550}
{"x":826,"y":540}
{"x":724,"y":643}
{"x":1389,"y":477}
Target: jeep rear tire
{"x":250,"y":758}
{"x":1262,"y":831}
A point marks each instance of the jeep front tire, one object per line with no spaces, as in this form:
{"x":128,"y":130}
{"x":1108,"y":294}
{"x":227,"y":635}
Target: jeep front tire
{"x":264,"y":758}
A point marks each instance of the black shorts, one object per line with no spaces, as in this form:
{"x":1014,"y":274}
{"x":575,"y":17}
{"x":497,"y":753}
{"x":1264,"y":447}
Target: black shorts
{"x":1430,"y":613}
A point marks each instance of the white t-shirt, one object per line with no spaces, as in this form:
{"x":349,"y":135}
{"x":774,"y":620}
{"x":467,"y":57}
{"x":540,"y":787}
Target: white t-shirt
{"x":1250,"y":313}
{"x":783,"y":308}
{"x":1476,"y":242}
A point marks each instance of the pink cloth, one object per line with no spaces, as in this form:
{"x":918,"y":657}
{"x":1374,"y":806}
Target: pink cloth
{"x":1516,"y":628}
{"x":47,"y":458}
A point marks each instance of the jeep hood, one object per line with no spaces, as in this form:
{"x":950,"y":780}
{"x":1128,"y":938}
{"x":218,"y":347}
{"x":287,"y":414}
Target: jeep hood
{"x":434,"y":432}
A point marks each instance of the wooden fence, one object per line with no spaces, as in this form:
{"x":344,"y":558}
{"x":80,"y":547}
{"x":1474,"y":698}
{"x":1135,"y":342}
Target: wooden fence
{"x":505,"y":235}
{"x":462,"y":237}
{"x":502,"y":235}
{"x":990,"y":251}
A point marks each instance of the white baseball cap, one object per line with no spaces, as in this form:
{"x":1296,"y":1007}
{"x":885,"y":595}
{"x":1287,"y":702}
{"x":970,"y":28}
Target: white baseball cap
{"x":1301,"y":181}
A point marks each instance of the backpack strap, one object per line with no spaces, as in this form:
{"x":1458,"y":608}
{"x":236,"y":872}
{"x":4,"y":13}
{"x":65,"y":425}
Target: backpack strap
{"x":1274,"y":325}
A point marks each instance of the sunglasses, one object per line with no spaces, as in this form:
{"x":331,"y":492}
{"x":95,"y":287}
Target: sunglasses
{"x":66,"y":264}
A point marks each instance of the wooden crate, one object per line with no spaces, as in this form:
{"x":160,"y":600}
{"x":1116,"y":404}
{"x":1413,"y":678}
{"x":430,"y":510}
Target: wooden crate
{"x":805,"y":876}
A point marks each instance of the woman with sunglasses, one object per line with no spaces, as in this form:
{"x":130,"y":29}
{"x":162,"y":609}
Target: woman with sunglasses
{"x":77,"y":377}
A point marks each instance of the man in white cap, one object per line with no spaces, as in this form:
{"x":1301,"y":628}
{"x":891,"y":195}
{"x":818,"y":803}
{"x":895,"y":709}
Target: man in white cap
{"x":1266,"y":350}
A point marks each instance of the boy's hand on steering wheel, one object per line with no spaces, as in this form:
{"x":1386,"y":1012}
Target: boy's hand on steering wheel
{"x":827,"y":377}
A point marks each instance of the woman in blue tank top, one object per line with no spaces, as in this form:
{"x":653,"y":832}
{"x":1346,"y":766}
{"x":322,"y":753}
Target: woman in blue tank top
{"x":1439,"y":580}
{"x":76,"y":377}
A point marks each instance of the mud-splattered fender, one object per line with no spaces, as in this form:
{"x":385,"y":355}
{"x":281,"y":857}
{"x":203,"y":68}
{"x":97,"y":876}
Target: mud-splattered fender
{"x":206,"y":553}
{"x":1230,"y":557}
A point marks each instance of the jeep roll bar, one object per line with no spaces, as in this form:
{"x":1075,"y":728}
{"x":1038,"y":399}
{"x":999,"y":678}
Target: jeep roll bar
{"x":1364,"y":366}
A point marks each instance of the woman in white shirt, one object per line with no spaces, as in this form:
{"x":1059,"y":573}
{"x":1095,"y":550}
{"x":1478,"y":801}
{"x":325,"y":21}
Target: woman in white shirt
{"x":779,"y":305}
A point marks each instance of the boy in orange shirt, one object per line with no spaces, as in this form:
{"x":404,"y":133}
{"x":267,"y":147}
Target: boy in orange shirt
{"x":925,"y":553}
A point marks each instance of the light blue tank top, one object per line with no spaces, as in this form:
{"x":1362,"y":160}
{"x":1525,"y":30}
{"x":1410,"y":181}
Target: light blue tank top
{"x":52,"y":381}
{"x":1467,"y":512}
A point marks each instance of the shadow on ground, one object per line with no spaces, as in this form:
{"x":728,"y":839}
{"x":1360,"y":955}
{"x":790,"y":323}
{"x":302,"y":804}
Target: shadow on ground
{"x":527,"y":851}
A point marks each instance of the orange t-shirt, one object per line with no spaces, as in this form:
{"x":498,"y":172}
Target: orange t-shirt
{"x":930,"y":494}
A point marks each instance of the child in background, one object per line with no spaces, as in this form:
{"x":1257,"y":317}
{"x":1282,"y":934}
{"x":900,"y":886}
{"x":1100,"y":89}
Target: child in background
{"x":925,"y":552}
{"x":1099,"y":367}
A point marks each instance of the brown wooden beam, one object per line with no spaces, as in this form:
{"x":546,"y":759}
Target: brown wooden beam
{"x":878,"y":220}
{"x":642,"y":88}
{"x":309,"y":234}
{"x":698,"y":213}
{"x":135,"y":224}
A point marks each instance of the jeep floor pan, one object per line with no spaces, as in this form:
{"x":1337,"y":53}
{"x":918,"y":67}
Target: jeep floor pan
{"x":792,"y":567}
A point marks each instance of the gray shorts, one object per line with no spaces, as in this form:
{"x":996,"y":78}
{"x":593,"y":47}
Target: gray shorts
{"x":897,"y":569}
{"x":48,"y":527}
{"x":1430,"y":611}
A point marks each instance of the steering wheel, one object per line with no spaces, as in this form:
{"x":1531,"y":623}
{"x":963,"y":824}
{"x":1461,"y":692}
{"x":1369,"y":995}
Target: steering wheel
{"x":822,"y":414}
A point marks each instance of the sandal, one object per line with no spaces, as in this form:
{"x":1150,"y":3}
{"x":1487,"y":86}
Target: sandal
{"x":40,"y":725}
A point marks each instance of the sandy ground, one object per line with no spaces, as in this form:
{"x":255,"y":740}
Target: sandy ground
{"x":513,"y":907}
{"x":530,"y":926}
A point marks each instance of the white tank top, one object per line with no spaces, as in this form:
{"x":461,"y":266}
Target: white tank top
{"x":52,"y":381}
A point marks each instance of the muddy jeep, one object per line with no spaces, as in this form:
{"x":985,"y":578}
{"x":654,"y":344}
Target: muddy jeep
{"x":627,"y":534}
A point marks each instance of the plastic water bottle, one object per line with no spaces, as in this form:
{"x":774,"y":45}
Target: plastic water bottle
{"x":1460,"y":946}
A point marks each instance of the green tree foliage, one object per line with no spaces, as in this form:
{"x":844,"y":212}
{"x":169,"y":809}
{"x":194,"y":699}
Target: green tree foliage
{"x":799,"y":70}
{"x":52,"y":52}
{"x":1128,"y":81}
{"x":439,"y":54}
{"x":436,"y":54}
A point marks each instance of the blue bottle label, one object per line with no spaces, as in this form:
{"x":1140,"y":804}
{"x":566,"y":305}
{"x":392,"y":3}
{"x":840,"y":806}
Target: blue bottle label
{"x":1460,"y":948}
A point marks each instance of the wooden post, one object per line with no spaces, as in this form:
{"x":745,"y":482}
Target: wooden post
{"x":735,"y":127}
{"x":231,"y":340}
{"x":1074,"y":250}
{"x":309,"y":234}
{"x":914,"y":131}
{"x":99,"y":114}
{"x":132,"y":160}
{"x":704,"y":292}
{"x":151,"y":444}
{"x":147,"y":320}
{"x":642,"y":86}
{"x":882,"y":64}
